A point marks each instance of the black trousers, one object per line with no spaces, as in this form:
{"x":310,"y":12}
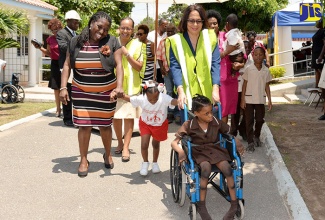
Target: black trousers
{"x":67,"y":109}
{"x":254,"y":113}
{"x":236,"y":124}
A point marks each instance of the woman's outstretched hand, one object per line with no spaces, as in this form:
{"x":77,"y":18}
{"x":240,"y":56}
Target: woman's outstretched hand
{"x":64,"y":96}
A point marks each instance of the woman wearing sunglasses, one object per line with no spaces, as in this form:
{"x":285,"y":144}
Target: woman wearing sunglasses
{"x":142,"y":35}
{"x":194,"y":58}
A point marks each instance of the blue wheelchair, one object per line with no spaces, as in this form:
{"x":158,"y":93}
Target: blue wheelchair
{"x":185,"y":178}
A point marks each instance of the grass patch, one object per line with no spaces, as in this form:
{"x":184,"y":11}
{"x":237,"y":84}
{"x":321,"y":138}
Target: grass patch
{"x":12,"y":112}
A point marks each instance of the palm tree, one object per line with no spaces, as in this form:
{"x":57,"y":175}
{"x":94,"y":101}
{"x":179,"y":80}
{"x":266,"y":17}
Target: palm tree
{"x":12,"y":23}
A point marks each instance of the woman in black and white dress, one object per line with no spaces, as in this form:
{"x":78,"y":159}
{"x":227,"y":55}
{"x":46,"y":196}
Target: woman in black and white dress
{"x":142,"y":35}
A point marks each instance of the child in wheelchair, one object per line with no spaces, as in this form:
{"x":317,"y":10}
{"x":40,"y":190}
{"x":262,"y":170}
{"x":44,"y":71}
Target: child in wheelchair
{"x":204,"y":131}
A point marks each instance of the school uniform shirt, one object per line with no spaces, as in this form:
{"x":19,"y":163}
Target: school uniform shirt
{"x":249,"y":62}
{"x":153,"y":114}
{"x":204,"y":146}
{"x":256,"y":81}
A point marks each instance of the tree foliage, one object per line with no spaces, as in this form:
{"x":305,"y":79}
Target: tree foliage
{"x":174,"y":13}
{"x":252,"y":14}
{"x":12,"y":23}
{"x":150,"y":22}
{"x":117,"y":10}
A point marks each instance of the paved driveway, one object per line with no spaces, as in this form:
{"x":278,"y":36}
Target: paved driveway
{"x":39,"y":162}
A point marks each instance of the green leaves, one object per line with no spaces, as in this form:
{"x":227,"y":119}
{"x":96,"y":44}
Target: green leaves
{"x":12,"y":23}
{"x":117,"y":10}
{"x":252,"y":14}
{"x":8,"y":43}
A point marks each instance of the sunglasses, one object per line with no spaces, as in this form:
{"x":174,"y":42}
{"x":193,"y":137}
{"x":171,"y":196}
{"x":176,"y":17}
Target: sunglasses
{"x":140,"y":34}
{"x":193,"y":21}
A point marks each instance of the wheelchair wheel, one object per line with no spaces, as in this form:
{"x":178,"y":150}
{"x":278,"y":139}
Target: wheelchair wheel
{"x":192,"y":212}
{"x":9,"y":94}
{"x":182,"y":192}
{"x":21,"y":93}
{"x":241,"y":210}
{"x":175,"y":175}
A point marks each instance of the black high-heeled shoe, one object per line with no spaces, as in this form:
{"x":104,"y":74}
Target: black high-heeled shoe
{"x":83,"y":173}
{"x":107,"y":165}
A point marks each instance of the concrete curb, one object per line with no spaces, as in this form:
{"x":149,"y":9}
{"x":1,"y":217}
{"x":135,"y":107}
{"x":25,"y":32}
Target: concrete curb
{"x":286,"y":186}
{"x":26,"y":119}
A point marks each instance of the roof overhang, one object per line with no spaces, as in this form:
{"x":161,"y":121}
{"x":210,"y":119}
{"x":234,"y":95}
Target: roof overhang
{"x":40,"y":8}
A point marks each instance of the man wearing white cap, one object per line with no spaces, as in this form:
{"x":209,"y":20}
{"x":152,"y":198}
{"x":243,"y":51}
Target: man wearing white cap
{"x":63,"y":37}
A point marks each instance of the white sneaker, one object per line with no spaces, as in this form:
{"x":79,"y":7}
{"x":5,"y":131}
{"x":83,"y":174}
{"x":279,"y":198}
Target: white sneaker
{"x":144,"y":169}
{"x":155,"y":168}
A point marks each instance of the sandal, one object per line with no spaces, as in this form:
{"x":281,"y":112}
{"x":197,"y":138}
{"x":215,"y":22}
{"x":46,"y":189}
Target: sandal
{"x":125,"y":158}
{"x":83,"y":173}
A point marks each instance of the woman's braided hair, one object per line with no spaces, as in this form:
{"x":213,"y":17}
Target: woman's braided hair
{"x":84,"y":36}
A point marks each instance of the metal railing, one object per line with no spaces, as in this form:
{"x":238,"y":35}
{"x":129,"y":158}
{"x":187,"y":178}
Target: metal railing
{"x":295,"y":63}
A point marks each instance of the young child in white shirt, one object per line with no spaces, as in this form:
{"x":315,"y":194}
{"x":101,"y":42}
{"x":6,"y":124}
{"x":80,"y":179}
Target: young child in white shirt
{"x":153,"y":121}
{"x":233,"y":36}
{"x":256,"y":87}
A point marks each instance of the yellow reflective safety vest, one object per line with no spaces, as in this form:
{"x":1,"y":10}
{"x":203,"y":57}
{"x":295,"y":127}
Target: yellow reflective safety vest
{"x":133,"y":78}
{"x":196,"y":70}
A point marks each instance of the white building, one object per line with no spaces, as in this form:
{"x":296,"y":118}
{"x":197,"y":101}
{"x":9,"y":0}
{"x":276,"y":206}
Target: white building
{"x":27,"y":60}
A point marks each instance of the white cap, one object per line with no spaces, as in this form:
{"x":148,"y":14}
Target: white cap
{"x":72,"y":14}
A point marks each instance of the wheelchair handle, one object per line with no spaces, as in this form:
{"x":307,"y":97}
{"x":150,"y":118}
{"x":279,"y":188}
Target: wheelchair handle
{"x":217,"y":106}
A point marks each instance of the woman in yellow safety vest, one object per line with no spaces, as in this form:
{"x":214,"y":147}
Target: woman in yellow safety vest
{"x":132,"y":62}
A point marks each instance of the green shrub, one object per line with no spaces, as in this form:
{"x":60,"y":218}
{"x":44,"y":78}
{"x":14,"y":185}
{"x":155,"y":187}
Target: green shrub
{"x":277,"y":72}
{"x":47,"y":72}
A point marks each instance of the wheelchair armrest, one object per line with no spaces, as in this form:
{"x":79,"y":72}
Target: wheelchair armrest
{"x":187,"y":138}
{"x":229,"y":137}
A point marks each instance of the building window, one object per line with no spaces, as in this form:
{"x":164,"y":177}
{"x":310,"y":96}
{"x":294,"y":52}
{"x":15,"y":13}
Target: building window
{"x":23,"y":50}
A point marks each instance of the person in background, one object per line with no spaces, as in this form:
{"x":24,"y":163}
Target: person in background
{"x":164,"y":68}
{"x":251,"y":37}
{"x":228,"y":81}
{"x":93,"y":55}
{"x":52,"y":50}
{"x":161,"y":33}
{"x":3,"y":64}
{"x":63,"y":38}
{"x":318,"y":51}
{"x":257,"y":78}
{"x":153,"y":121}
{"x":233,"y":37}
{"x":194,"y":70}
{"x":132,"y":62}
{"x":237,"y":124}
{"x":142,"y":34}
